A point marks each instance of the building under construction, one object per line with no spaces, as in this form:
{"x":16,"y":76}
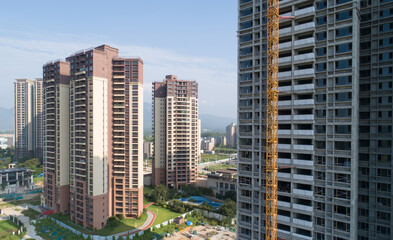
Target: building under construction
{"x":334,"y":119}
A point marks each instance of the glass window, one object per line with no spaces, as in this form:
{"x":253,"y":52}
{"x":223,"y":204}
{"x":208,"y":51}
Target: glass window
{"x":365,"y":31}
{"x":386,"y":27}
{"x":245,"y":76}
{"x":341,"y":64}
{"x":344,"y":80}
{"x":245,"y":12}
{"x":321,"y":67}
{"x":385,"y":42}
{"x":386,"y":56}
{"x":246,"y":38}
{"x":321,"y":5}
{"x":343,"y":15}
{"x":341,"y":145}
{"x":342,"y":1}
{"x":245,"y":51}
{"x":344,"y":96}
{"x":321,"y":82}
{"x":321,"y":51}
{"x":345,"y":47}
{"x":246,"y":64}
{"x":321,"y":36}
{"x":321,"y":20}
{"x":343,"y":129}
{"x":245,"y":25}
{"x":342,"y":32}
{"x":344,"y":112}
{"x":386,"y":71}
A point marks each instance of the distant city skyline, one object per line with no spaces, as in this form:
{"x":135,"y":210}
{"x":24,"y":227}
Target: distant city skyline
{"x":182,"y":38}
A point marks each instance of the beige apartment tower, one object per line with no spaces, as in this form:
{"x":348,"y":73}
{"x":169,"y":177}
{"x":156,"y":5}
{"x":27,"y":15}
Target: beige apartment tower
{"x":176,"y":132}
{"x":28,"y":118}
{"x":105,"y":125}
{"x":56,"y":90}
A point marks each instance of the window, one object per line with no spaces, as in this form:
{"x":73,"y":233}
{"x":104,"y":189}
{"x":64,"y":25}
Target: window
{"x":342,"y":1}
{"x":245,"y":64}
{"x":320,"y":97}
{"x":365,"y":31}
{"x":344,"y":96}
{"x":321,"y":67}
{"x":342,"y":32}
{"x":386,"y":12}
{"x":384,"y":172}
{"x":342,"y":64}
{"x":383,"y":201}
{"x":386,"y":56}
{"x":245,"y":76}
{"x":385,"y":114}
{"x":385,"y":42}
{"x":343,"y":129}
{"x":343,"y":15}
{"x":321,"y":20}
{"x":365,"y":45}
{"x":321,"y":51}
{"x":346,"y":47}
{"x":245,"y":51}
{"x":321,"y":36}
{"x":384,"y":143}
{"x":320,"y":128}
{"x":385,"y":86}
{"x":321,"y":82}
{"x":385,"y":100}
{"x":245,"y":12}
{"x":245,"y":25}
{"x":320,"y":144}
{"x":386,"y":27}
{"x":246,"y":38}
{"x":384,"y":187}
{"x":365,"y":17}
{"x":364,"y":73}
{"x":321,"y":5}
{"x":320,"y":113}
{"x":341,"y":145}
{"x":365,"y":59}
{"x":343,"y":112}
{"x":344,"y":80}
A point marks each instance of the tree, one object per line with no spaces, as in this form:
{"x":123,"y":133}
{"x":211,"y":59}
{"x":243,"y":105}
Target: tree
{"x":231,"y":195}
{"x":160,"y":193}
{"x":228,"y":208}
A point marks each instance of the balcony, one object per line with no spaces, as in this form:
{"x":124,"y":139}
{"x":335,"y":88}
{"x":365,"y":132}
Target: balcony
{"x":284,"y":146}
{"x":285,"y":89}
{"x":303,"y":162}
{"x":310,"y":40}
{"x":301,"y":236}
{"x":302,"y":192}
{"x":284,"y":59}
{"x":284,"y":132}
{"x":284,"y":175}
{"x":306,"y":56}
{"x":303,"y":147}
{"x":282,"y":218}
{"x":285,"y":74}
{"x":302,"y":207}
{"x":285,"y":45}
{"x":304,"y":71}
{"x":305,"y":11}
{"x":301,"y":87}
{"x":301,"y":222}
{"x":303,"y":177}
{"x":284,"y":117}
{"x":303,"y":132}
{"x":283,"y":204}
{"x":284,"y":161}
{"x":305,"y":26}
{"x":284,"y":103}
{"x":285,"y":30}
{"x":303,"y":102}
{"x":303,"y":117}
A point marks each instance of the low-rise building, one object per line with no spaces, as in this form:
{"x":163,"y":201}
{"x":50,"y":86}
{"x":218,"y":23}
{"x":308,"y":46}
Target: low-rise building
{"x":222,"y":180}
{"x":16,"y":176}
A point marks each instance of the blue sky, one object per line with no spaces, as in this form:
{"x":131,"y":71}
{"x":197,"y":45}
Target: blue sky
{"x":195,"y":40}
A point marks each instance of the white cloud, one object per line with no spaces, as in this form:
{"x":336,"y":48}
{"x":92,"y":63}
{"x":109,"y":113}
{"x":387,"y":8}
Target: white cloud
{"x":216,"y":77}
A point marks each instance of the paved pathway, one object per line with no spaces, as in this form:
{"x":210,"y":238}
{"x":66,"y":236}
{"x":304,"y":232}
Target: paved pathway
{"x":16,"y":211}
{"x":150,"y":220}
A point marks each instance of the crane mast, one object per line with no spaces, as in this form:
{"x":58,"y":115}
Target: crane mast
{"x":272,"y":119}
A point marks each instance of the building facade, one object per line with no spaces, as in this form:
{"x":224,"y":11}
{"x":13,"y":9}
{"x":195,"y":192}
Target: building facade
{"x":56,"y":91}
{"x":176,"y":132}
{"x":28,"y":118}
{"x":334,"y":158}
{"x":148,"y":149}
{"x":101,"y":105}
{"x":231,"y":134}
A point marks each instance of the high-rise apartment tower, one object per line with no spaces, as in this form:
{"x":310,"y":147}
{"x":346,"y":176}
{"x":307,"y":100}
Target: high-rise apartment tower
{"x":28,"y":118}
{"x":176,"y":132}
{"x":105,"y":122}
{"x":335,"y":139}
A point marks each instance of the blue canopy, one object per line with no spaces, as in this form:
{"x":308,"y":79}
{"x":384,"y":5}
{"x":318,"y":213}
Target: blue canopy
{"x":189,"y":223}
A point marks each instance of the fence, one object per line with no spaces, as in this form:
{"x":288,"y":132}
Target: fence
{"x":17,"y":222}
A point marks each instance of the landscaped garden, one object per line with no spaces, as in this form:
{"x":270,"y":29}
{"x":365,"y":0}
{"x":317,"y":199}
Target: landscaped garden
{"x":207,"y":157}
{"x":49,"y":230}
{"x":220,"y":166}
{"x":31,"y":213}
{"x":6,"y":229}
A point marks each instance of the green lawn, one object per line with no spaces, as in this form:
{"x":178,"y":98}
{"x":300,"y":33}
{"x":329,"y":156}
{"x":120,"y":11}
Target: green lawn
{"x":116,"y":226}
{"x":38,"y":179}
{"x":207,"y":157}
{"x":220,"y":166}
{"x":163,"y":214}
{"x":31,"y":213}
{"x":7,"y":226}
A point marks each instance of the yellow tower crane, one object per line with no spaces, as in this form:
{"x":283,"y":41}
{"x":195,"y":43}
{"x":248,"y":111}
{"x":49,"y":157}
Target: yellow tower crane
{"x":272,"y":118}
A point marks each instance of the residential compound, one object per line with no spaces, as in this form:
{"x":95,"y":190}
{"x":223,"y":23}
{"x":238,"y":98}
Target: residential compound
{"x":335,"y":119}
{"x":93,"y":155}
{"x":28,"y":118}
{"x":176,"y":132}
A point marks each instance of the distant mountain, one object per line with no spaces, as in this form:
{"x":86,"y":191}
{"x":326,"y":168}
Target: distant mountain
{"x":209,"y":122}
{"x":6,"y":119}
{"x":212,"y":123}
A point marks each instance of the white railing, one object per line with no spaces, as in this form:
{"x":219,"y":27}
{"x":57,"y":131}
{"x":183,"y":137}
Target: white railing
{"x":283,"y":204}
{"x":304,"y":56}
{"x":285,"y":30}
{"x":284,"y":103}
{"x":284,"y":88}
{"x":284,"y":146}
{"x":304,"y":71}
{"x":303,"y":162}
{"x":283,"y":218}
{"x":304,"y":26}
{"x":303,"y":147}
{"x":303,"y":132}
{"x":302,"y":236}
{"x":284,"y":131}
{"x":302,"y":222}
{"x":284,"y":117}
{"x":303,"y":177}
{"x":284,"y":160}
{"x":302,"y":207}
{"x":284,"y":45}
{"x":284,"y":74}
{"x":284,"y":175}
{"x":304,"y":41}
{"x":309,"y":86}
{"x":305,"y":11}
{"x":284,"y":59}
{"x":303,"y":117}
{"x":303,"y":102}
{"x":302,"y":192}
